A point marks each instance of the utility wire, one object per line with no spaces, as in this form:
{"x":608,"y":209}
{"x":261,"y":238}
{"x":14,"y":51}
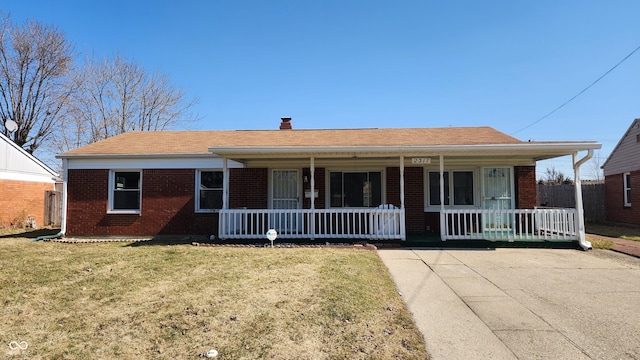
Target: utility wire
{"x":580,"y":93}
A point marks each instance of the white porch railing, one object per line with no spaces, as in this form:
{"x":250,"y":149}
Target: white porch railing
{"x":373,"y":224}
{"x":510,"y":225}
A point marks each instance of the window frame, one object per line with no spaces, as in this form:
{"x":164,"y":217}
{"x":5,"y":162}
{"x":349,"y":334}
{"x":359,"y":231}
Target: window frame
{"x":112,"y":190}
{"x":626,"y":183}
{"x":450,"y":183}
{"x":198,"y":179}
{"x":383,"y":192}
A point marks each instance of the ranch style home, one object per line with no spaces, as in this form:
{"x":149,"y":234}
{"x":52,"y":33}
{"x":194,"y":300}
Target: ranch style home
{"x":368,"y":184}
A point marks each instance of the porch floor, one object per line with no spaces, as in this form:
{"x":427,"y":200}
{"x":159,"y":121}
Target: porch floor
{"x":433,"y":240}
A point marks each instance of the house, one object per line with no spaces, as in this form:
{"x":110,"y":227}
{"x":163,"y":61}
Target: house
{"x":373,"y":184}
{"x":621,"y":175}
{"x":24,"y":182}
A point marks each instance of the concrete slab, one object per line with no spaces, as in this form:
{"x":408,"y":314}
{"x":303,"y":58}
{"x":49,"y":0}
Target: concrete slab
{"x":524,"y":303}
{"x":540,"y":345}
{"x":442,"y":317}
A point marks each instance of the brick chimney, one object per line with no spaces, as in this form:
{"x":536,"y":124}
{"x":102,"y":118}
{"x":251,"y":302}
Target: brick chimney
{"x":286,"y":123}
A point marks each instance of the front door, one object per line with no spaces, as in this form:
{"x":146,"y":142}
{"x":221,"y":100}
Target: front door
{"x":497,"y":195}
{"x":285,"y":195}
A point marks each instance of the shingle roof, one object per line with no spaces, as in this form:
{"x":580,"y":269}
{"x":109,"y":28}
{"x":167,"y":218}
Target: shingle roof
{"x":196,"y":142}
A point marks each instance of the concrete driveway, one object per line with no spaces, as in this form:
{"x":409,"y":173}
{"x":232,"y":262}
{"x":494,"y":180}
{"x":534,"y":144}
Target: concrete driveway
{"x":521,"y":303}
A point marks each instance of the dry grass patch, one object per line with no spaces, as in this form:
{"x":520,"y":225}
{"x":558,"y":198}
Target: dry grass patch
{"x":114,"y":300}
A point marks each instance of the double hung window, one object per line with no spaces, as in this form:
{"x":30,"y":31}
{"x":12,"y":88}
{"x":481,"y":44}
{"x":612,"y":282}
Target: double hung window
{"x":355,"y":189}
{"x":627,"y":189}
{"x":125,"y":191}
{"x":209,"y":185}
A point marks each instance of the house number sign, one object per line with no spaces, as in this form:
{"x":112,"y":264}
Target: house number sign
{"x":421,"y":161}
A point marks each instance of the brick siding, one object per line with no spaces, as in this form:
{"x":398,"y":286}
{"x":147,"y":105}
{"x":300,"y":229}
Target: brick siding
{"x":413,"y":196}
{"x":168,"y":206}
{"x":614,"y":195}
{"x":21,"y":199}
{"x":526,"y":196}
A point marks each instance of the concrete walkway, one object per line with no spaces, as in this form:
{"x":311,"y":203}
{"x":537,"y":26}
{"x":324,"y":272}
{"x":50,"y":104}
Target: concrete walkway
{"x":521,"y":303}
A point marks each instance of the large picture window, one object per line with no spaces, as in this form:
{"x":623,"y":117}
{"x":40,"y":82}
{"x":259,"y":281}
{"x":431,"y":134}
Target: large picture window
{"x":627,"y":189}
{"x":125,"y":191}
{"x":460,"y":181}
{"x":209,"y":185}
{"x":355,"y":189}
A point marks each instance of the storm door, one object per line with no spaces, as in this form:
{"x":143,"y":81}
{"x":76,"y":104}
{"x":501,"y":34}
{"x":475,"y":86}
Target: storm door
{"x":285,"y":195}
{"x":497,"y":195}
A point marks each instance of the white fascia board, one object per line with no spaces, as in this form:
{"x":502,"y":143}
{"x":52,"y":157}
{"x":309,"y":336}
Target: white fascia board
{"x":206,"y":162}
{"x":535,"y":149}
{"x":21,"y":176}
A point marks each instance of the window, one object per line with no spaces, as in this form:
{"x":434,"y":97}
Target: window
{"x":355,"y":189}
{"x":209,"y":186}
{"x":627,"y":189}
{"x":125,"y":191}
{"x":460,"y":181}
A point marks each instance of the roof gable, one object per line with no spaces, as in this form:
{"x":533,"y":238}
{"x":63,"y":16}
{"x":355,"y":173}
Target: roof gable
{"x":15,"y":160}
{"x":625,"y":156}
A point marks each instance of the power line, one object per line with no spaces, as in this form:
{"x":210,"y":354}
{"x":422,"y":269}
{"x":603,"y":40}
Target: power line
{"x":580,"y":93}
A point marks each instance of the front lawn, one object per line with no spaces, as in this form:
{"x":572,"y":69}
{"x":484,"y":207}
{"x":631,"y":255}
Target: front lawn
{"x":123,"y":300}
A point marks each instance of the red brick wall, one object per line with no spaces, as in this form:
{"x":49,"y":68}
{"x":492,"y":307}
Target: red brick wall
{"x":20,"y":199}
{"x":320,"y":202}
{"x":168,"y":206}
{"x":413,"y":196}
{"x":525,"y":187}
{"x":614,"y":195}
{"x":248,"y":188}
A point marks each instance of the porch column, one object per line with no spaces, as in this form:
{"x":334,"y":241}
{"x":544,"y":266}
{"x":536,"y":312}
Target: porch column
{"x":225,"y":184}
{"x":586,"y":245}
{"x":402,"y":182}
{"x":443,"y":225}
{"x":312,"y":222}
{"x":312,"y":173}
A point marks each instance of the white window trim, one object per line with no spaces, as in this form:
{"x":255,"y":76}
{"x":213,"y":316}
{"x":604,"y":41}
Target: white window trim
{"x":197,"y":192}
{"x":112,"y":181}
{"x":476,"y":189}
{"x":627,"y":187}
{"x":383,"y":185}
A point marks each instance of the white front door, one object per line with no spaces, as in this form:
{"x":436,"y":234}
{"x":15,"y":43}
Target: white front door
{"x":497,"y":195}
{"x":285,"y":195}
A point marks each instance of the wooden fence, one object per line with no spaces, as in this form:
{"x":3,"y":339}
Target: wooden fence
{"x":52,"y":208}
{"x":563,"y":196}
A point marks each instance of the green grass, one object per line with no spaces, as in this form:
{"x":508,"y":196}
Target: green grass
{"x":113,"y":300}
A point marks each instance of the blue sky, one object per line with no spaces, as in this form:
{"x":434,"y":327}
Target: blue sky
{"x":355,"y":64}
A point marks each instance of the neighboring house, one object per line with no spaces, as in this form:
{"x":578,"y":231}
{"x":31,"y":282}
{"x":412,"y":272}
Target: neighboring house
{"x":24,"y":181}
{"x":373,"y":184}
{"x":622,"y":178}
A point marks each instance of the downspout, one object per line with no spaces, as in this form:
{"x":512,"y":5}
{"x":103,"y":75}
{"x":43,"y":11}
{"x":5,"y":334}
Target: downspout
{"x":63,"y":216}
{"x":586,"y":245}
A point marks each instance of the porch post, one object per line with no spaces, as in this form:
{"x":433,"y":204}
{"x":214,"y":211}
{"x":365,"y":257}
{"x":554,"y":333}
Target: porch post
{"x":403,"y":224}
{"x":312,"y":173}
{"x":586,"y":245}
{"x":443,"y":225}
{"x":225,"y":184}
{"x":402,"y":182}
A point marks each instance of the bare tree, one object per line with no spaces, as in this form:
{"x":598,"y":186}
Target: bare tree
{"x":35,"y":61}
{"x":115,"y":96}
{"x":555,"y":177}
{"x":594,"y":166}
